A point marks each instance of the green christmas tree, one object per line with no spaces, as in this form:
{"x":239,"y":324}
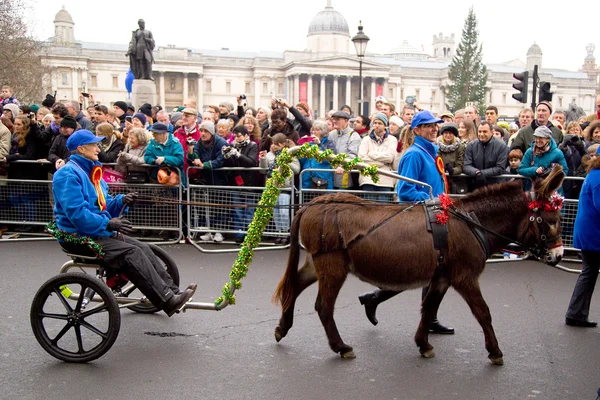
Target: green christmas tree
{"x":466,"y":72}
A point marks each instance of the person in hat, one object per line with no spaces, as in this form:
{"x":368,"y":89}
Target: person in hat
{"x":347,"y":141}
{"x":120,"y":109}
{"x":279,"y":124}
{"x":164,"y":150}
{"x":540,"y":157}
{"x":485,"y":157}
{"x":189,"y":131}
{"x":452,"y":151}
{"x":418,"y":163}
{"x":302,"y":121}
{"x":11,"y":111}
{"x":542,"y":118}
{"x":447,"y":116}
{"x":84,"y":207}
{"x":59,"y":153}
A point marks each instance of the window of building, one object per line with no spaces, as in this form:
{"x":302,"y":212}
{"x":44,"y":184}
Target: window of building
{"x":490,"y":100}
{"x":94,"y":80}
{"x":115,"y":81}
{"x":65,"y":78}
{"x":433,"y":94}
{"x":247,"y":87}
{"x":503,"y":98}
{"x":391,"y":93}
{"x":172,"y":84}
{"x":280,"y":88}
{"x":418,"y":94}
{"x":560,"y":102}
{"x":208,"y":86}
{"x":265,"y":87}
{"x":228,"y":87}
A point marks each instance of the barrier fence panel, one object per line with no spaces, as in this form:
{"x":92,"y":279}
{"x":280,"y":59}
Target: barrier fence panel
{"x":228,"y":210}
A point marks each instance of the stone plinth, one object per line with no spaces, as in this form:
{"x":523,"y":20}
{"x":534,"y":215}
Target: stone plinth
{"x":143,"y":91}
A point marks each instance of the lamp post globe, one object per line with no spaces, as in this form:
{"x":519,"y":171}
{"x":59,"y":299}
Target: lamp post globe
{"x":360,"y":41}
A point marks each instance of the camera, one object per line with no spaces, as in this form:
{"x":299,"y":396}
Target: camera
{"x":191,"y":142}
{"x":128,"y":118}
{"x":84,"y":94}
{"x":242,"y":97}
{"x":574,"y":139}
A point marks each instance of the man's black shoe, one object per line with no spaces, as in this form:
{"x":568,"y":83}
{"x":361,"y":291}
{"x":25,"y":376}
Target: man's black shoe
{"x":436,"y":327}
{"x":177,"y":301}
{"x":580,"y":322}
{"x":369,"y":300}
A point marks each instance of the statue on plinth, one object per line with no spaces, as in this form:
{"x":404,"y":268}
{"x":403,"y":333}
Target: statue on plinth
{"x":140,"y":52}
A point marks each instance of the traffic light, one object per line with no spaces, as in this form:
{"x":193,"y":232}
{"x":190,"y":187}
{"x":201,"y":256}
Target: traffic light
{"x":545,"y":93}
{"x":521,"y":86}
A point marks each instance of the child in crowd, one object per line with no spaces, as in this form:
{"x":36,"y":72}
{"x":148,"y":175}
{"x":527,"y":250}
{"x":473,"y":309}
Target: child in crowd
{"x":514,"y":161}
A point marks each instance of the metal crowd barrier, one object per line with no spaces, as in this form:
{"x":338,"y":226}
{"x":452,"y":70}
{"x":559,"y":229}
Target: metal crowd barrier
{"x":29,"y":204}
{"x":228,"y":210}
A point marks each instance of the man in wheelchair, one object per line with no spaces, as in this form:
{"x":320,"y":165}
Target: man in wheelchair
{"x":83,"y":206}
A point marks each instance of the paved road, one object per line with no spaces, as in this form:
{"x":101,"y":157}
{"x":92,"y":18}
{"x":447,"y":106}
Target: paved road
{"x":232,"y":354}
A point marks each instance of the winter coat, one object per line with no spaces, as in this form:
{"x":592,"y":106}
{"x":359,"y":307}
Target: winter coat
{"x":301,"y":124}
{"x":59,"y":150}
{"x":490,"y":158}
{"x":573,"y":155}
{"x":248,"y":158}
{"x":453,"y":154}
{"x":530,"y":163}
{"x":525,"y":136}
{"x":76,"y":200}
{"x":111,"y":154}
{"x":307,"y":163}
{"x":268,"y":162}
{"x":5,"y":137}
{"x":586,"y":234}
{"x":418,"y":162}
{"x":84,"y":122}
{"x":380,"y":152}
{"x":172,"y":152}
{"x":133,"y":156}
{"x":26,"y":152}
{"x":181,"y":135}
{"x":346,"y":141}
{"x":212,"y":158}
{"x":289,"y":131}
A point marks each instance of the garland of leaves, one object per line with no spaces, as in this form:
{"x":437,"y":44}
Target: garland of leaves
{"x":263,"y":214}
{"x":73,"y":238}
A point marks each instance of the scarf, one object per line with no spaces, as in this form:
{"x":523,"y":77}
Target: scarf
{"x":449,"y":148}
{"x":96,"y":177}
{"x":240,"y":145}
{"x":190,"y":131}
{"x":273,"y":164}
{"x":105,"y":145}
{"x":538,"y":151}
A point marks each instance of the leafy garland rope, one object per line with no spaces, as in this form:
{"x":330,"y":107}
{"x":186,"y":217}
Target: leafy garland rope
{"x":263,"y":214}
{"x":73,"y":238}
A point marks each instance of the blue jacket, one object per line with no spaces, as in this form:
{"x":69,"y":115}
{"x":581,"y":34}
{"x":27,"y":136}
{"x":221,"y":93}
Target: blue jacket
{"x":553,"y":156}
{"x":76,"y":201}
{"x":306,"y":163}
{"x":419,"y":163}
{"x":586,"y":235}
{"x":171,"y":151}
{"x":212,"y":158}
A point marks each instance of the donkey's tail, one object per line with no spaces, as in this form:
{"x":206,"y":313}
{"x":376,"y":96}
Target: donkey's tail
{"x":284,"y":293}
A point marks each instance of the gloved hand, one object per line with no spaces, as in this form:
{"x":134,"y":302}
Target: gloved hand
{"x":130,"y":198}
{"x":124,"y":157}
{"x":120,"y":225}
{"x":449,"y":168}
{"x":579,"y":144}
{"x":480,"y":180}
{"x":234,"y":152}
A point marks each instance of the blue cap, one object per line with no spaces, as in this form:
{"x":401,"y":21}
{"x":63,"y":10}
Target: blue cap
{"x":159,"y":127}
{"x":598,"y":151}
{"x":82,"y":137}
{"x":424,"y":117}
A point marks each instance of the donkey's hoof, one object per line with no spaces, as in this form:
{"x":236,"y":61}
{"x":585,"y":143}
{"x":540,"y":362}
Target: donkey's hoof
{"x":428,"y":353}
{"x":348,"y":355}
{"x":497,"y":360}
{"x":278,"y":334}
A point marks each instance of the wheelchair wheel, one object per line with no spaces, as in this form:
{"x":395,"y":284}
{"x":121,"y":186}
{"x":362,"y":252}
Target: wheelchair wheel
{"x":68,"y":328}
{"x":170,"y":266}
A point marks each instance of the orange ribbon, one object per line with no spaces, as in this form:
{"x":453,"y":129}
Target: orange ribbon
{"x":439,"y":163}
{"x":96,"y":177}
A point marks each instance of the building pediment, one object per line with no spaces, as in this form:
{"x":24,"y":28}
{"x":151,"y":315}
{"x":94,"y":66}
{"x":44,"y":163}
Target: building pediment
{"x":336,"y":62}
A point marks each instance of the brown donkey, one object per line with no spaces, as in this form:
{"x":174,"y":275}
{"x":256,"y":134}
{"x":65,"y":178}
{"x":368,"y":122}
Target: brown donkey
{"x":346,"y":234}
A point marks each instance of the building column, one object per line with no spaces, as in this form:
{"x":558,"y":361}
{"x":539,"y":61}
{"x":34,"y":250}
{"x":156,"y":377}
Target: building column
{"x":349,"y":91}
{"x":309,"y":91}
{"x":296,"y":96}
{"x":386,"y":89}
{"x":335,"y":92}
{"x":161,"y":86}
{"x":373,"y":95}
{"x":322,"y":111}
{"x":185,"y":86}
{"x":257,"y":91}
{"x":75,"y":84}
{"x":200,"y":100}
{"x":274,"y":86}
{"x":399,"y":100}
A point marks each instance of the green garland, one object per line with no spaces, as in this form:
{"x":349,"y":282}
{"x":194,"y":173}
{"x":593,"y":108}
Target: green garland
{"x":263,"y":214}
{"x":72,"y":238}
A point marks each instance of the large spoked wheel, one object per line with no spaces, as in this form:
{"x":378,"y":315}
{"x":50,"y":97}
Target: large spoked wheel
{"x":68,"y":328}
{"x":171,"y":268}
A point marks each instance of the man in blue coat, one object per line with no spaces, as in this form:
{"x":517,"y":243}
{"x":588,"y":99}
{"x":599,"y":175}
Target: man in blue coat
{"x":587,"y":238}
{"x":418,"y":163}
{"x":84,"y":207}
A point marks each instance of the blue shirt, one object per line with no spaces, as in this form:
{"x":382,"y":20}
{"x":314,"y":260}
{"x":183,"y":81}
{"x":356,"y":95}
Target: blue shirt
{"x":418,"y":163}
{"x":586,"y":235}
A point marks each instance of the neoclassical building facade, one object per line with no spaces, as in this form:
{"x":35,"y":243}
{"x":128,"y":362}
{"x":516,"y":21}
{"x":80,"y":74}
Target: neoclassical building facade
{"x":325,"y":74}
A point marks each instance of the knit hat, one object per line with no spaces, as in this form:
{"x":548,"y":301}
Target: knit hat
{"x":227,"y":104}
{"x":130,"y":106}
{"x":34,"y":108}
{"x":13,"y":108}
{"x":48,"y":101}
{"x":449,"y":126}
{"x":396,"y":120}
{"x":304,"y":107}
{"x":141,"y":117}
{"x":234,"y":118}
{"x":68,"y":122}
{"x":180,"y":108}
{"x":122,"y":105}
{"x":146,"y":109}
{"x":380,"y":98}
{"x":382,"y":117}
{"x":176,"y":116}
{"x":207,"y":126}
{"x":542,"y":131}
{"x":547,"y":104}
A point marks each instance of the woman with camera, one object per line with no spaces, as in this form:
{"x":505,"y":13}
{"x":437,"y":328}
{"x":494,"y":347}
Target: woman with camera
{"x":573,"y":147}
{"x":541,"y":156}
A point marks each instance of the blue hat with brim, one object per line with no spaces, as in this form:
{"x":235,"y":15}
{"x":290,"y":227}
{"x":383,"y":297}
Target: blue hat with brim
{"x":424,"y":117}
{"x":82,"y":137}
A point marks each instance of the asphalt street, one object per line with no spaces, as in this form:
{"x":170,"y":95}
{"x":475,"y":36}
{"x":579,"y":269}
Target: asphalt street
{"x":232,"y":354}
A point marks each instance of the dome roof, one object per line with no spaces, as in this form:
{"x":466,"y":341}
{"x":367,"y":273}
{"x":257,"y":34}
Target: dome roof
{"x":328,"y":21}
{"x":63,"y":16}
{"x":534,"y":50}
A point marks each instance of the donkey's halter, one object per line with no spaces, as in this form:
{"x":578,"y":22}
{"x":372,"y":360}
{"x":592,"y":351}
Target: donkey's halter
{"x":536,"y":221}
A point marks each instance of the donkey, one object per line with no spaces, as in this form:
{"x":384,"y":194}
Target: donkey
{"x":388,"y":246}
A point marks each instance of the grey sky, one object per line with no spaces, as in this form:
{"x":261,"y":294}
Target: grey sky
{"x":507,"y":28}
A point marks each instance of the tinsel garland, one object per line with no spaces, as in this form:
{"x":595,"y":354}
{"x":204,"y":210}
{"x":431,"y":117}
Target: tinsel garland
{"x":72,"y":238}
{"x":263,"y":214}
{"x":445,"y":203}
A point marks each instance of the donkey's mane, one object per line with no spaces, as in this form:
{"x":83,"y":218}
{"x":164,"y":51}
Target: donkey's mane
{"x":498,"y":196}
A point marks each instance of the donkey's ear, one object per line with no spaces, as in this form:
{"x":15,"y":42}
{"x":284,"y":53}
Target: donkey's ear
{"x":551,"y":183}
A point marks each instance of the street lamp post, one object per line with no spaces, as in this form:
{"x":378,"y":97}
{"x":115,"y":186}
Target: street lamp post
{"x":360,"y":41}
